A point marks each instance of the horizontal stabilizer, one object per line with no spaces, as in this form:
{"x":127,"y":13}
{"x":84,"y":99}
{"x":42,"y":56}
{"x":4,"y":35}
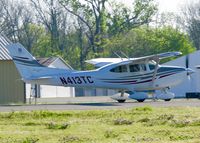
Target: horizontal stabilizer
{"x":40,"y":78}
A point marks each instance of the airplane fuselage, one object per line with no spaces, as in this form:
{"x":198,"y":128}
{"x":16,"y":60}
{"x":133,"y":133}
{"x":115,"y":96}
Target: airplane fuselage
{"x":166,"y":76}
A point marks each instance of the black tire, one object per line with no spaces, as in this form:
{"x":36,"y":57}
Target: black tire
{"x":140,"y":100}
{"x":167,"y":99}
{"x":121,"y":101}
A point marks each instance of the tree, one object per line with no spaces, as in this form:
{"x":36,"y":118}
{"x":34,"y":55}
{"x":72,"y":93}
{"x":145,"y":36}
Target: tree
{"x":152,"y":41}
{"x":54,"y":19}
{"x":36,"y":40}
{"x":96,"y":17}
{"x":165,"y":19}
{"x":14,"y":15}
{"x":191,"y":17}
{"x":16,"y":19}
{"x":124,"y":19}
{"x":92,"y":15}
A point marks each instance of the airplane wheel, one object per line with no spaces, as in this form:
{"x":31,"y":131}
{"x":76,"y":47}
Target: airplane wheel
{"x":140,"y":100}
{"x":167,"y":99}
{"x":121,"y":101}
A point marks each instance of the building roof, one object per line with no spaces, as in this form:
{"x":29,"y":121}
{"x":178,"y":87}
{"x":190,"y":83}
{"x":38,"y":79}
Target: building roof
{"x":4,"y":55}
{"x":46,"y":61}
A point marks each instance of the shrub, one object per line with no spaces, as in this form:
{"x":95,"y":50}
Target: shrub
{"x":121,"y":121}
{"x":30,"y":140}
{"x":144,"y":120}
{"x":53,"y":125}
{"x":70,"y":139}
{"x":110,"y":134}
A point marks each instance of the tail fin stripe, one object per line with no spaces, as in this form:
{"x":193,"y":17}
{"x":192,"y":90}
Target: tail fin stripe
{"x":31,"y":65}
{"x":27,"y":63}
{"x":21,"y":57}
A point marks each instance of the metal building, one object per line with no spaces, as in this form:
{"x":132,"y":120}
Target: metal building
{"x":191,"y":84}
{"x":12,"y":89}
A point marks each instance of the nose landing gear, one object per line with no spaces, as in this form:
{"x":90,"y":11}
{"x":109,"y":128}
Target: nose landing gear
{"x":166,"y":95}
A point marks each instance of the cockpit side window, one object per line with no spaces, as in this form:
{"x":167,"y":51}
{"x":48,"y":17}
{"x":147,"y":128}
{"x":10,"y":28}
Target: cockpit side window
{"x":134,"y":68}
{"x":152,"y":67}
{"x":119,"y":69}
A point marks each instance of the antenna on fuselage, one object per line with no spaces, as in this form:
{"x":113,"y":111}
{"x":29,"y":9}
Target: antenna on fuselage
{"x":118,"y":56}
{"x":125,"y":55}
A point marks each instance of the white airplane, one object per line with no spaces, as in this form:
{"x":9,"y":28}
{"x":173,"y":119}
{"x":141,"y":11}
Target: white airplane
{"x":135,"y":76}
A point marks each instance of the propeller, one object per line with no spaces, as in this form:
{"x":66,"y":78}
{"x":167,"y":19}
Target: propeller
{"x":189,"y":71}
{"x":187,"y":63}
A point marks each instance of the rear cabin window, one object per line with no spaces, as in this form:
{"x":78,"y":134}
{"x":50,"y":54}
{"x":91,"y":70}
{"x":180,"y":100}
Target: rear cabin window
{"x":119,"y":69}
{"x":134,"y":68}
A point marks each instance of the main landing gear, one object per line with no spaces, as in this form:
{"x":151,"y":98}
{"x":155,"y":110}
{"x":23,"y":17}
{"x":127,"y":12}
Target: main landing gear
{"x":121,"y":101}
{"x":121,"y":98}
{"x":140,"y":100}
{"x":167,"y":100}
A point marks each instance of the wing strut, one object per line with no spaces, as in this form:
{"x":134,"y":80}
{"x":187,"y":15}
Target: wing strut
{"x":155,"y":71}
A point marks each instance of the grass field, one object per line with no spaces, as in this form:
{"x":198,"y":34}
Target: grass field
{"x":141,"y":125}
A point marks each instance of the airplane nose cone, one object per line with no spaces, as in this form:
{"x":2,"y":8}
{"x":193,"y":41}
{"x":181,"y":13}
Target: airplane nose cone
{"x":189,"y":71}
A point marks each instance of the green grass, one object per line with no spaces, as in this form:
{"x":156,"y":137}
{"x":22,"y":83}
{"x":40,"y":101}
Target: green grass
{"x":137,"y":125}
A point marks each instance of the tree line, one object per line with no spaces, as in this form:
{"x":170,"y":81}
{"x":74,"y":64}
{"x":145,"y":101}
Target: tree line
{"x":77,"y":30}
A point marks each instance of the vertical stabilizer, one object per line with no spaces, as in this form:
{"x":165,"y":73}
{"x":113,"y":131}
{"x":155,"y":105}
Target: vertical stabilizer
{"x":28,"y":66}
{"x":24,"y":61}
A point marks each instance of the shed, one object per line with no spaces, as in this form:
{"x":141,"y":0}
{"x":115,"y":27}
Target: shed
{"x":12,"y":88}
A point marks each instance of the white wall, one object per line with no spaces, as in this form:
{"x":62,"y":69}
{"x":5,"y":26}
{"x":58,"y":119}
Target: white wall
{"x":94,"y":92}
{"x":56,"y":91}
{"x":52,"y":91}
{"x":192,"y":83}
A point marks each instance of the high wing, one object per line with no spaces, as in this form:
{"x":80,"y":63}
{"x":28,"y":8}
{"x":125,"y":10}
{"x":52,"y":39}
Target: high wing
{"x":156,"y":57}
{"x":99,"y":62}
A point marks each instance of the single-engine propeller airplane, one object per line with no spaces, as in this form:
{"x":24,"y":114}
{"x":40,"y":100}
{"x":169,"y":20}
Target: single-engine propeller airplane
{"x":135,"y":76}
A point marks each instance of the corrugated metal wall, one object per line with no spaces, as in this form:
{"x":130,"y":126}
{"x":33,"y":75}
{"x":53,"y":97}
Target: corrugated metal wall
{"x":12,"y":89}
